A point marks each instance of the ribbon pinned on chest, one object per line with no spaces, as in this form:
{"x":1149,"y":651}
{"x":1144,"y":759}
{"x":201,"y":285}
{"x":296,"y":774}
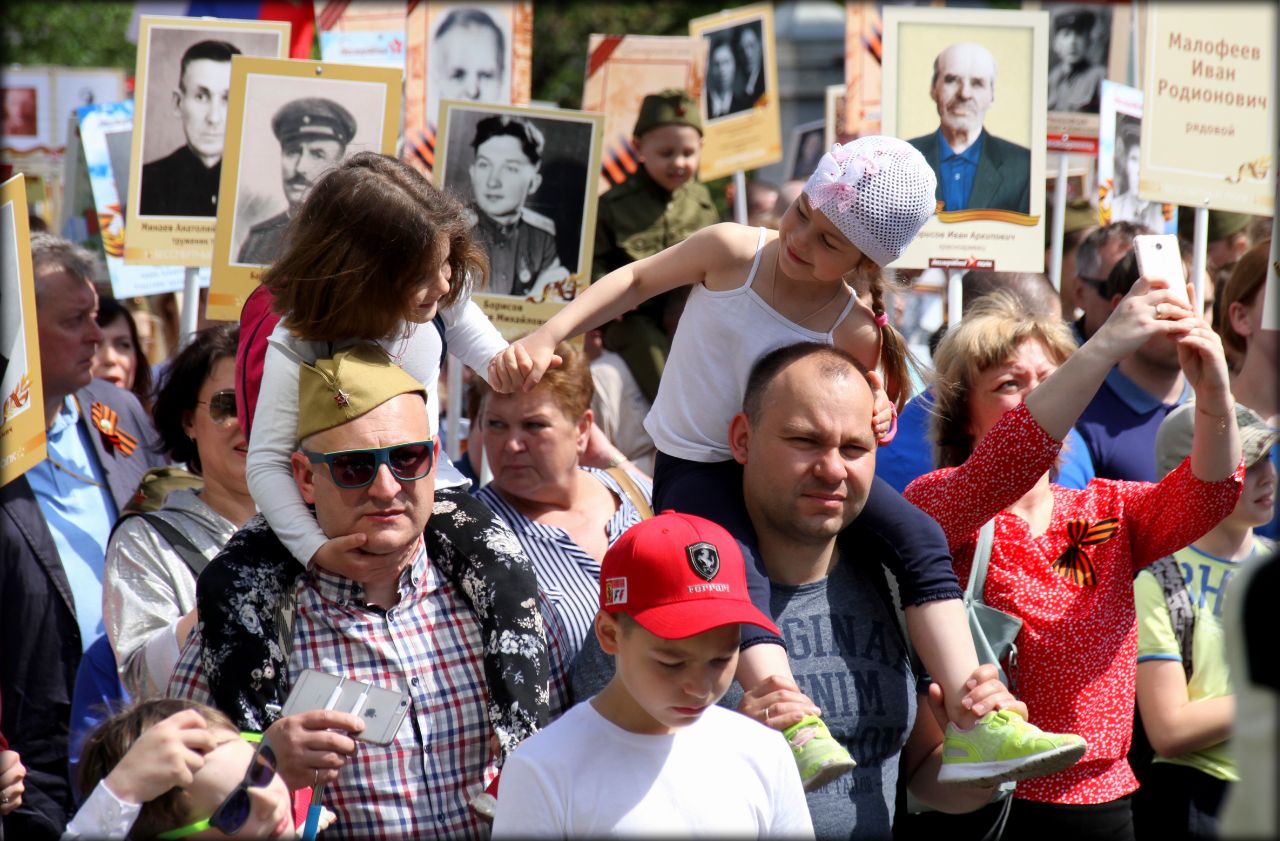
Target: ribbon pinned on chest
{"x":107,"y":421}
{"x":1075,"y":563}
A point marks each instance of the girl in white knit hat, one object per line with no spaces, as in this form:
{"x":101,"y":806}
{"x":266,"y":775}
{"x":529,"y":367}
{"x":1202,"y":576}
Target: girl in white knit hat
{"x":816,"y":279}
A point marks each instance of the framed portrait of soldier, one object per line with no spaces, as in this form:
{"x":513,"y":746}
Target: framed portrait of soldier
{"x":27,"y":96}
{"x":1120,"y":163}
{"x":738,"y":69}
{"x":476,"y":52}
{"x":621,"y":71}
{"x":182,"y":87}
{"x":22,"y":429}
{"x":288,"y":123}
{"x":528,"y":178}
{"x":966,"y":88}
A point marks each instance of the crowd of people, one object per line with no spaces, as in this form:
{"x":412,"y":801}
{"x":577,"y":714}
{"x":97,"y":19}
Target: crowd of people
{"x":716,"y":584}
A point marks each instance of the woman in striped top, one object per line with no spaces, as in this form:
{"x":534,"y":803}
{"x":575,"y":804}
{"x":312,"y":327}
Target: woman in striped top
{"x":564,"y":514}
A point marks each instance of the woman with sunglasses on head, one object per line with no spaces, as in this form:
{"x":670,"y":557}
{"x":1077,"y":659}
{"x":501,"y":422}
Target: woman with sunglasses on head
{"x":149,"y":585}
{"x":170,"y":769}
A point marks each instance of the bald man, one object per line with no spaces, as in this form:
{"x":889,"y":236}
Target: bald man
{"x":975,"y":169}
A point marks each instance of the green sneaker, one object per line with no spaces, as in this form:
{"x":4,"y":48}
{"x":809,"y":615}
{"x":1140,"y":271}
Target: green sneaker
{"x":819,"y":756}
{"x":1004,"y":746}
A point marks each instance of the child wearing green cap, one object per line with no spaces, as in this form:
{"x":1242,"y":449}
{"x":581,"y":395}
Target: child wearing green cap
{"x":659,"y":205}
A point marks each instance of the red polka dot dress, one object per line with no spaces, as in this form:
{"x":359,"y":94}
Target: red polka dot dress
{"x":1072,"y":586}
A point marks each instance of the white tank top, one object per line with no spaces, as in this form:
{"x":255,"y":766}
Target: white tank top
{"x":720,"y":338}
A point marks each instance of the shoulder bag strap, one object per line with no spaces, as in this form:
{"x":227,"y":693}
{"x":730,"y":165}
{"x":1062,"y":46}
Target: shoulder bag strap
{"x":981,"y":557}
{"x":632,"y":490}
{"x":191,"y":556}
{"x":1177,"y":599}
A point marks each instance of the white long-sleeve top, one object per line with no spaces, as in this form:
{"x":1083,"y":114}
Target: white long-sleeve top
{"x":472,"y":338}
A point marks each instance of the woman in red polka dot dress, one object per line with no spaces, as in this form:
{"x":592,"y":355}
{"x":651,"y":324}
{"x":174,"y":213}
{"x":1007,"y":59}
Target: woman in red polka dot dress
{"x":1009,"y":388}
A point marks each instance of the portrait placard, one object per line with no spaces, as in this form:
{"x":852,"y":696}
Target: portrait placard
{"x":22,"y":427}
{"x":738,"y":69}
{"x":27,"y":96}
{"x":76,"y":87}
{"x":370,"y":32}
{"x":106,"y":136}
{"x":805,"y":147}
{"x":979,"y":122}
{"x":1119,"y":163}
{"x":528,"y":177}
{"x":1209,"y":121}
{"x":863,"y":50}
{"x":621,"y":71}
{"x":836,"y":119}
{"x":1088,"y":42}
{"x":182,"y":87}
{"x":478,"y":52}
{"x":288,"y":123}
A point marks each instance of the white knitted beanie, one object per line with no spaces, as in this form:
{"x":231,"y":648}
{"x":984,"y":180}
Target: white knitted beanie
{"x":878,"y":191}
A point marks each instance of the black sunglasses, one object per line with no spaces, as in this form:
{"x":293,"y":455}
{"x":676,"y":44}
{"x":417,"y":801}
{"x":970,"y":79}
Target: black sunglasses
{"x":357,"y":468}
{"x":232,"y":812}
{"x":222,"y":406}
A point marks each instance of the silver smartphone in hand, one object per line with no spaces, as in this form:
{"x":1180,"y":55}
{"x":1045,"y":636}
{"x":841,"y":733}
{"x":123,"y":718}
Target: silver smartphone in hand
{"x":1159,"y":257}
{"x":381,"y":709}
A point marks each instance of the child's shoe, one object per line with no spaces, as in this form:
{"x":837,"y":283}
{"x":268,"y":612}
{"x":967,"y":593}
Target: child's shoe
{"x":819,"y":756}
{"x":1004,"y":746}
{"x":485,"y":804}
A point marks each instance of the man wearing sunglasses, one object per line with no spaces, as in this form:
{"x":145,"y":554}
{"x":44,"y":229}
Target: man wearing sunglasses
{"x":367,"y":465}
{"x":54,"y":524}
{"x":1095,"y":258}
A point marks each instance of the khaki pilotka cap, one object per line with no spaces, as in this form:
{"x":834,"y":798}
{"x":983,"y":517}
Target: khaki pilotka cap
{"x":672,"y":107}
{"x":1173,"y":440}
{"x":354,"y":382}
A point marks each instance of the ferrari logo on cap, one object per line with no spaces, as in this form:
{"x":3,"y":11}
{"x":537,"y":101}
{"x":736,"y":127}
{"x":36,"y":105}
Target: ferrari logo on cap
{"x":704,"y":558}
{"x":615,"y":591}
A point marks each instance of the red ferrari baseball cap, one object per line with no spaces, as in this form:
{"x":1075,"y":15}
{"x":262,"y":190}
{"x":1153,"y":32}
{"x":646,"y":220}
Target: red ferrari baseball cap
{"x":678,"y":575}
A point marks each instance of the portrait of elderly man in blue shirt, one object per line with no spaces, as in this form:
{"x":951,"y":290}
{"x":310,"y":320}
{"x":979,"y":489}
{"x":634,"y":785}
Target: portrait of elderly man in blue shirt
{"x":975,"y":169}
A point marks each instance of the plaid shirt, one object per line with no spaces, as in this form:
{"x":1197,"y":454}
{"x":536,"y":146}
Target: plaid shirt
{"x":419,"y":785}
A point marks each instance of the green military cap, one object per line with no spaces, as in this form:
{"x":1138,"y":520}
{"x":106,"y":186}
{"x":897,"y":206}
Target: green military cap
{"x":313,"y":118}
{"x":1222,"y":224}
{"x":354,"y":382}
{"x":1080,"y":214}
{"x":672,"y":107}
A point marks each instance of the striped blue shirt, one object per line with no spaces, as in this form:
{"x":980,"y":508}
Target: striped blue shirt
{"x":568,"y":576}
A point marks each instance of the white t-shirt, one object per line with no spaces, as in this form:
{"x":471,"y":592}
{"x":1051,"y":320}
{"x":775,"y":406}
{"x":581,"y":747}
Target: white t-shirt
{"x":722,"y":776}
{"x":472,"y":339}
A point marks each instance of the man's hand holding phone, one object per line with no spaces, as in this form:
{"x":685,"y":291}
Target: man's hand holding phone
{"x":312,"y":746}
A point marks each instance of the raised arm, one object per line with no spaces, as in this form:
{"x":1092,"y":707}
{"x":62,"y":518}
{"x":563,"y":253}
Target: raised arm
{"x":618,"y":292}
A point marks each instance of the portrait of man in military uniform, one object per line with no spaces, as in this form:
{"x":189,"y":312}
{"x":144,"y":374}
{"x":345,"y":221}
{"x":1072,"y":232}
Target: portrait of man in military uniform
{"x":1078,"y":50}
{"x":185,"y":182}
{"x":505,"y":172}
{"x":313,"y":133}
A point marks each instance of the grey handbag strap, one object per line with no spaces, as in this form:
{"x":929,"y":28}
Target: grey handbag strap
{"x":981,"y":558}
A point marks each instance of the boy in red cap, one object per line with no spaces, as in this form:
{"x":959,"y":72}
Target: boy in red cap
{"x":653,"y":754}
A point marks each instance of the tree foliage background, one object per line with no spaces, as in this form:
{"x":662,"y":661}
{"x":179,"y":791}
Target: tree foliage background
{"x":92,"y":34}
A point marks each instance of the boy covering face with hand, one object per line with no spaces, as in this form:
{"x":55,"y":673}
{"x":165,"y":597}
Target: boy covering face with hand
{"x":653,"y":754}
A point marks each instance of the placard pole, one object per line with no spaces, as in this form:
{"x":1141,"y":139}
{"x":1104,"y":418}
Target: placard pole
{"x":739,"y":197}
{"x":190,"y":304}
{"x":1199,"y":249}
{"x":1059,"y":222}
{"x":457,"y":405}
{"x":1133,"y":45}
{"x":955,"y":298}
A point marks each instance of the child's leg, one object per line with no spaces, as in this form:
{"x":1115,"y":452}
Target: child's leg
{"x":502,"y":588}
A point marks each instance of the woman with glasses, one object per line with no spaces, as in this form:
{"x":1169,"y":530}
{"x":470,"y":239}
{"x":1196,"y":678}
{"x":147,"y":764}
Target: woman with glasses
{"x":149,"y":580}
{"x":168,"y":769}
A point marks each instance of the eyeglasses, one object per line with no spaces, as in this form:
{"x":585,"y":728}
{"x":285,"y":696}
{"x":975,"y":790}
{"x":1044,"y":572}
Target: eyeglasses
{"x":231,"y":814}
{"x":222,"y":406}
{"x":357,"y":468}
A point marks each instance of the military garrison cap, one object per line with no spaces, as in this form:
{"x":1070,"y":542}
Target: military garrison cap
{"x":354,"y":382}
{"x":1080,"y":20}
{"x":1223,"y":224}
{"x":672,"y":107}
{"x":313,"y":118}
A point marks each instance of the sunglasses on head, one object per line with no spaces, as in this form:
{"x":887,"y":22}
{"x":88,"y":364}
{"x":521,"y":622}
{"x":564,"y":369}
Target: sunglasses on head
{"x":222,"y":406}
{"x":357,"y":468}
{"x":233,"y":812}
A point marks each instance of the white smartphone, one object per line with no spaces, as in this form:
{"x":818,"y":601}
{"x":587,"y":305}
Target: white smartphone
{"x":382,"y":709}
{"x":1159,"y":257}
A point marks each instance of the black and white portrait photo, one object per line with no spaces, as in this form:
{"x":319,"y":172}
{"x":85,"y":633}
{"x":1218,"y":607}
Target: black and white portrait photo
{"x":529,"y":186}
{"x":183,"y":117}
{"x":736,"y":78}
{"x":468,"y":56}
{"x":295,"y":129}
{"x":1079,"y":46}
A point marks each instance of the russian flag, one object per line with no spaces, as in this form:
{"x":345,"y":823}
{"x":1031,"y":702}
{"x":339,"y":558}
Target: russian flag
{"x":300,"y":13}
